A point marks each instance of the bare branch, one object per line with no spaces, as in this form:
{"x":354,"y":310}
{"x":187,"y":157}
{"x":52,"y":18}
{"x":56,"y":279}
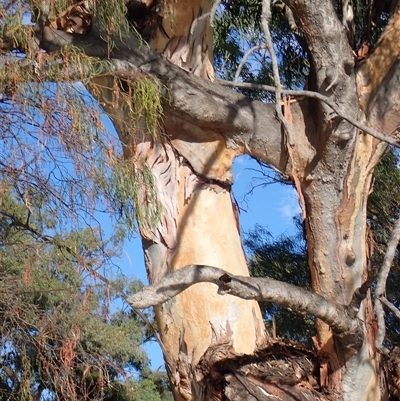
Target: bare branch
{"x":261,"y":289}
{"x":210,"y":15}
{"x":348,"y":20}
{"x":390,"y":306}
{"x":381,"y":283}
{"x":265,"y":17}
{"x":244,"y":59}
{"x":322,"y":98}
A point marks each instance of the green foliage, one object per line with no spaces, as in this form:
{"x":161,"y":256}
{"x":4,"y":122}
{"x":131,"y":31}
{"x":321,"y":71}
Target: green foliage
{"x":143,"y":390}
{"x":130,"y":189}
{"x":146,"y":103}
{"x":111,"y":18}
{"x":64,"y":127}
{"x":238,"y":29}
{"x":73,"y":161}
{"x":59,"y":336}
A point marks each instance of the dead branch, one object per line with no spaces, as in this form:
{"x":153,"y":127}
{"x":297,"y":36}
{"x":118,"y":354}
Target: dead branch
{"x":381,"y":283}
{"x":265,"y":18}
{"x":261,"y":289}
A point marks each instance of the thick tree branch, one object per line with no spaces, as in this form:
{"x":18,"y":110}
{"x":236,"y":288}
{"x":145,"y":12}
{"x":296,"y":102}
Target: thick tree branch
{"x":191,"y":99}
{"x":331,"y":55}
{"x":315,"y":95}
{"x":260,"y":289}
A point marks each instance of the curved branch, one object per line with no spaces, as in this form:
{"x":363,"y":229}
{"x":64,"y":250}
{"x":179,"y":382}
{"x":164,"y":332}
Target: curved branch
{"x":381,"y":283}
{"x":260,"y":289}
{"x":244,"y":59}
{"x":390,"y":306}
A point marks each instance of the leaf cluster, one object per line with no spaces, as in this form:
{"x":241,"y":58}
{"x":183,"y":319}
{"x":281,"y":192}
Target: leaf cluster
{"x":56,"y":319}
{"x":58,"y":131}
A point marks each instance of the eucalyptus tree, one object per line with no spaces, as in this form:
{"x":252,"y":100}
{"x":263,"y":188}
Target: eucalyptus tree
{"x":149,"y":64}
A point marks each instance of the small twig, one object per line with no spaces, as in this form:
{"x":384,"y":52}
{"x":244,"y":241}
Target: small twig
{"x":244,"y":59}
{"x":381,"y":283}
{"x":322,"y":98}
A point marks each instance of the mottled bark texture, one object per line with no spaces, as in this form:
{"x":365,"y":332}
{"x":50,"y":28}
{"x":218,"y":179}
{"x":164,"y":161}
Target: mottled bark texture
{"x":215,"y":344}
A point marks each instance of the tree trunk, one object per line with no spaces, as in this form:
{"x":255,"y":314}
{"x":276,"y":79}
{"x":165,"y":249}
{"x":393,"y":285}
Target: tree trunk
{"x":204,"y":333}
{"x":199,"y":222}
